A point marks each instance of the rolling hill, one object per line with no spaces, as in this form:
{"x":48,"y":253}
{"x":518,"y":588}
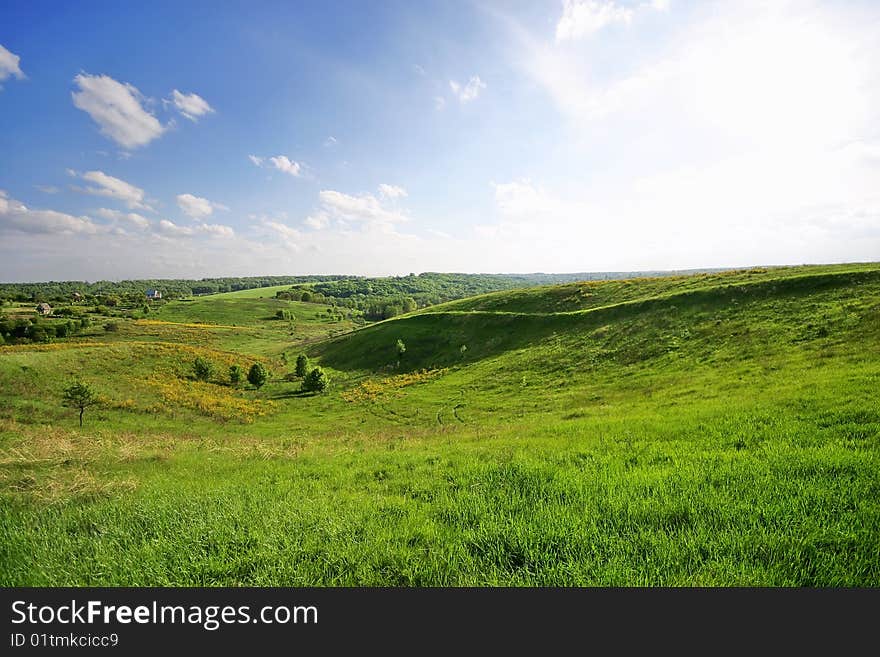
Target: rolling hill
{"x":714,"y":429}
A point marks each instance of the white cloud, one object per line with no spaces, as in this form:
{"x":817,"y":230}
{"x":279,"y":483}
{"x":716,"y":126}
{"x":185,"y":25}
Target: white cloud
{"x":9,"y":65}
{"x":47,"y":189}
{"x":290,"y":236}
{"x":131,"y":217}
{"x":196,"y":207}
{"x":331,"y":141}
{"x":16,"y":216}
{"x":171,"y":229}
{"x":365,"y":209}
{"x":584,"y":17}
{"x":114,"y":188}
{"x":439,"y":102}
{"x":520,"y":200}
{"x":116,"y":108}
{"x":282,"y":163}
{"x":192,"y":106}
{"x":391,"y":191}
{"x":317,"y":221}
{"x":468,"y":92}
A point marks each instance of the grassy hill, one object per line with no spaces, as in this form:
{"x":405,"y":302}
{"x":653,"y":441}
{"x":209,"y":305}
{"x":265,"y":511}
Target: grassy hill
{"x":716,"y":429}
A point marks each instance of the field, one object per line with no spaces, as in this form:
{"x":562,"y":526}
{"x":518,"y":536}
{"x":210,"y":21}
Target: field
{"x":720,"y":429}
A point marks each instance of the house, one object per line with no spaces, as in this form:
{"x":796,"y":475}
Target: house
{"x":154,"y":294}
{"x":44,"y":309}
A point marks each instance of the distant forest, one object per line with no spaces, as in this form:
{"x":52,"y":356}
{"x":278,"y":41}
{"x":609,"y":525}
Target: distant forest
{"x":377,"y":298}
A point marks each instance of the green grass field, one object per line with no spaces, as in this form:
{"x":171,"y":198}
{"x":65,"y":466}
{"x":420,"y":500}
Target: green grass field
{"x":709,"y":430}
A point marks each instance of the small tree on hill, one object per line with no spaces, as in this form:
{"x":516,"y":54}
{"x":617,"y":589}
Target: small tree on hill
{"x":316,"y":381}
{"x":258,"y":375}
{"x":203,"y":368}
{"x":401,"y":349}
{"x":302,"y":365}
{"x":80,"y":395}
{"x":235,"y":375}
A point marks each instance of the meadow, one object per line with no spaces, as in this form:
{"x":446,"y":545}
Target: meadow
{"x":718,"y":429}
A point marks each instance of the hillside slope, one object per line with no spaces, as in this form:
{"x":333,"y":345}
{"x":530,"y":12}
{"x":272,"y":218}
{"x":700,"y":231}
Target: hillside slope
{"x":630,"y":321}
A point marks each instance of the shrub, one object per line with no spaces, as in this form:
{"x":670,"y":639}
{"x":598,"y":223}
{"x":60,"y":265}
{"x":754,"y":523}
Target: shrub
{"x":203,"y":368}
{"x":258,"y":375}
{"x":302,"y":365}
{"x":111,"y":327}
{"x":401,"y":349}
{"x":235,"y":375}
{"x":316,"y":380}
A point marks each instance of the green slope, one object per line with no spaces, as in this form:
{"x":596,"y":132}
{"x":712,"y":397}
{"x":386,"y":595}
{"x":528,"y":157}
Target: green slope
{"x":629,"y":321}
{"x":710,"y":430}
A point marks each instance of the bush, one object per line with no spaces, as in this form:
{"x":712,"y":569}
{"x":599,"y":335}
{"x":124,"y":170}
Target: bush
{"x":258,"y":375}
{"x":235,"y":375}
{"x":401,"y":349}
{"x":316,"y":381}
{"x":111,"y":327}
{"x":203,"y":368}
{"x":39,"y":334}
{"x":302,"y":365}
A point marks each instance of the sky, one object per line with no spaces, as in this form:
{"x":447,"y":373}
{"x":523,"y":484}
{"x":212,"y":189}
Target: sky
{"x":196,"y":139}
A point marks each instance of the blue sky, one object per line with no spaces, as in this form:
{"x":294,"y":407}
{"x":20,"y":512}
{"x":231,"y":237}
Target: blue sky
{"x":207,"y":139}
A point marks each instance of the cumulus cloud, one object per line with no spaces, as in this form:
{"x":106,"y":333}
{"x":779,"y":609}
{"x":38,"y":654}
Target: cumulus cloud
{"x":467,"y":92}
{"x":170,"y":229}
{"x":280,"y":162}
{"x":196,"y":207}
{"x":128,"y":217}
{"x":391,"y":191}
{"x":192,"y":106}
{"x":16,"y":216}
{"x":115,"y":188}
{"x":365,"y":209}
{"x":9,"y":65}
{"x":582,"y":18}
{"x":522,"y":200}
{"x":117,"y":108}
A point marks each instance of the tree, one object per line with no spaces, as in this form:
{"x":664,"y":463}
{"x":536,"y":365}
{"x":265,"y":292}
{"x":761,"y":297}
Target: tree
{"x":80,"y":395}
{"x":203,"y":368}
{"x":316,"y":381}
{"x":258,"y":375}
{"x":401,"y":349}
{"x":235,"y":375}
{"x":302,"y":365}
